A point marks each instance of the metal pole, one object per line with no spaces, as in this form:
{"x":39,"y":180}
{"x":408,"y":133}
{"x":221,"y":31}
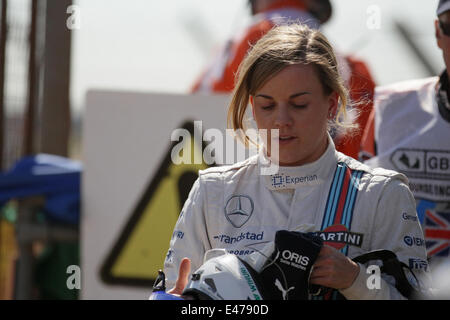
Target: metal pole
{"x":29,"y":122}
{"x":55,"y":116}
{"x":3,"y":35}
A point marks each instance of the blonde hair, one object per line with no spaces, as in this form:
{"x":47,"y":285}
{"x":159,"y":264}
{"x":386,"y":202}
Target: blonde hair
{"x":283,"y":46}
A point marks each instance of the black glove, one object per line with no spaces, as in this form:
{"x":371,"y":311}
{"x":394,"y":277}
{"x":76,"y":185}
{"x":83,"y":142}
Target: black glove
{"x":285,"y":276}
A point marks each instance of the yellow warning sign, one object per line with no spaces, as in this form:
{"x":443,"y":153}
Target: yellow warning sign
{"x":143,"y":243}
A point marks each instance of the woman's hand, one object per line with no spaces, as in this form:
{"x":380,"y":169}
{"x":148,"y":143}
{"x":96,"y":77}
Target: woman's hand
{"x":182,"y":280}
{"x":333,"y":269}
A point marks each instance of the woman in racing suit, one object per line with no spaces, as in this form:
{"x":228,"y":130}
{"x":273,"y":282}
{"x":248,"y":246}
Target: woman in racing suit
{"x":291,"y":80}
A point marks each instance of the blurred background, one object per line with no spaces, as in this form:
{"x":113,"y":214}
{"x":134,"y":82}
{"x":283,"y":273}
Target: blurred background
{"x":52,"y":52}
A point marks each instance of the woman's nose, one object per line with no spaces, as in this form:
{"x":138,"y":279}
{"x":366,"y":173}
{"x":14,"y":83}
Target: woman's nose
{"x":283,"y":117}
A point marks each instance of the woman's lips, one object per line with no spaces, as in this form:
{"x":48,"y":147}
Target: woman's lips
{"x":284,"y":140}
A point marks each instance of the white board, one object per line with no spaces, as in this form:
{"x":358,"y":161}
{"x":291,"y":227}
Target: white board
{"x":125,"y":137}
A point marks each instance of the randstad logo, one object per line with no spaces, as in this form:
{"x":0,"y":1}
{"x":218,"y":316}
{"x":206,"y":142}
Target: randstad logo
{"x":243,"y":236}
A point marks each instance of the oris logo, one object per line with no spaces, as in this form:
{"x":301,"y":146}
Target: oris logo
{"x":295,"y":257}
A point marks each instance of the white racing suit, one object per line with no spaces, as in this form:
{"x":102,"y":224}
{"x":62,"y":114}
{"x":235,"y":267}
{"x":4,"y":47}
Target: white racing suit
{"x":412,"y":127}
{"x":351,"y":207}
{"x":411,"y":131}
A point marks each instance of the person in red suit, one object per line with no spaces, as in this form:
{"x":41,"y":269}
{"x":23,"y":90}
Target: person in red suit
{"x":219,"y":77}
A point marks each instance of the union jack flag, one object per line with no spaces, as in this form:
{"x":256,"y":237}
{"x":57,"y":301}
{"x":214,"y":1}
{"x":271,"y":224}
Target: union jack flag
{"x":437,"y":233}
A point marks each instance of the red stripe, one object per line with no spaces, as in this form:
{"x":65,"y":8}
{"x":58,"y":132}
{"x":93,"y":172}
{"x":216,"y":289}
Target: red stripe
{"x":437,"y":233}
{"x":441,"y":247}
{"x":436,"y":219}
{"x":342,"y":196}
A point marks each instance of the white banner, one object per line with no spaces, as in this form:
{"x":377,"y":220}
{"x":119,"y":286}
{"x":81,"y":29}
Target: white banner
{"x":131,"y":192}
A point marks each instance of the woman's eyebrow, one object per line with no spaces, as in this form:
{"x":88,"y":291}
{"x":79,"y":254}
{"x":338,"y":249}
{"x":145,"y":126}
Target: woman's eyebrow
{"x":263,"y":96}
{"x":299,"y":94}
{"x":290,"y":97}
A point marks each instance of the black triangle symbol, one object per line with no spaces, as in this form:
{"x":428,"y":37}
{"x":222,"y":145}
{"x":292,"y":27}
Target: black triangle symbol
{"x":108,"y":273}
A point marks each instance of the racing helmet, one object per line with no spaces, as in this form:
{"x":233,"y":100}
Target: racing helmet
{"x":224,"y":276}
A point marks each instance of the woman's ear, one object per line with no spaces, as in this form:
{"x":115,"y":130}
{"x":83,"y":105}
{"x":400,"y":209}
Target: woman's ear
{"x":333,"y":102}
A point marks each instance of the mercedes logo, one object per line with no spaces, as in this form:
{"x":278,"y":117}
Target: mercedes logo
{"x":238,"y":210}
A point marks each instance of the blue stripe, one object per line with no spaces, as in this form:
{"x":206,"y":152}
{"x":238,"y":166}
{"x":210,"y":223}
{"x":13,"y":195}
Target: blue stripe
{"x":347,"y":200}
{"x":350,"y":202}
{"x":350,"y":192}
{"x":331,"y":196}
{"x":348,"y":221}
{"x":344,"y":250}
{"x":337,"y":195}
{"x":356,"y":185}
{"x":345,"y":212}
{"x":332,"y":201}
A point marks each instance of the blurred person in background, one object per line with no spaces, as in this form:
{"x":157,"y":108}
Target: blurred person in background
{"x":409,"y":131}
{"x":219,"y":77}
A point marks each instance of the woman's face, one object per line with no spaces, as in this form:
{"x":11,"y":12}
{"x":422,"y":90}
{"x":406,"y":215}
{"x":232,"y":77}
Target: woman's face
{"x":293,"y":101}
